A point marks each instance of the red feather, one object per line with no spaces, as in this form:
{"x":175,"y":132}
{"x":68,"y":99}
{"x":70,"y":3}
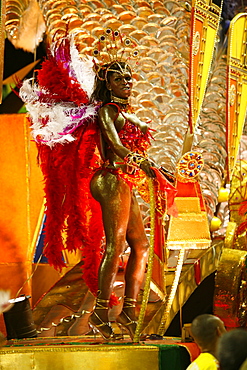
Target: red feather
{"x":242,"y":227}
{"x":243,"y":208}
{"x":71,"y":209}
{"x":60,"y":86}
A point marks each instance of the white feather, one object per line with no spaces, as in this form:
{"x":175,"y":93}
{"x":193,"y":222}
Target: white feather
{"x":51,"y":122}
{"x":59,"y":117}
{"x":31,"y":28}
{"x":5,"y":305}
{"x":83,"y":68}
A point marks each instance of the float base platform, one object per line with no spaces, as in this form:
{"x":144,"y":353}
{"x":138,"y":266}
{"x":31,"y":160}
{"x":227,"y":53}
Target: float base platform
{"x":74,"y":353}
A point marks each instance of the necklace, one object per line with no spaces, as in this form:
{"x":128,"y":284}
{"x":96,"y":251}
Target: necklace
{"x":115,"y":99}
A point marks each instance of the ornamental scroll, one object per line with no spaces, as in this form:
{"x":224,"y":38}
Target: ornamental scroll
{"x":236,"y":88}
{"x":205,"y":23}
{"x":231,"y":288}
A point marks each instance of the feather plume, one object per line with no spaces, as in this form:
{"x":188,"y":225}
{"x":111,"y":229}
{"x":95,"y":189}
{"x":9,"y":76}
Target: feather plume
{"x":243,"y":208}
{"x":242,"y":228}
{"x":59,"y":103}
{"x":83,"y":68}
{"x":31,"y":28}
{"x":5,"y":305}
{"x":60,"y":113}
{"x":58,"y":85}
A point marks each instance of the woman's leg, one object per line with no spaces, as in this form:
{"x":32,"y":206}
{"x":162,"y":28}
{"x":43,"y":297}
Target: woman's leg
{"x":115,"y":198}
{"x":135,"y":268}
{"x":138,"y":242}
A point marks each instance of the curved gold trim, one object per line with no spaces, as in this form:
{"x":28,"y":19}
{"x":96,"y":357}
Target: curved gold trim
{"x":150,"y":264}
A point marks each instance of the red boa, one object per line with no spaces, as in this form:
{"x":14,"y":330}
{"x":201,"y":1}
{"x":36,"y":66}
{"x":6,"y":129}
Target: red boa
{"x":70,"y":208}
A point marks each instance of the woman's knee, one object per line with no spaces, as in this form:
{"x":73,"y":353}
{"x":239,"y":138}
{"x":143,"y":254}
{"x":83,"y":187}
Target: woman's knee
{"x":116,"y":248}
{"x":144,"y":247}
{"x":139,"y":246}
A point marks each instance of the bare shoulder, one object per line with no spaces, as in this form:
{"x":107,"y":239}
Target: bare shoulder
{"x":108,"y":108}
{"x":108,"y":113}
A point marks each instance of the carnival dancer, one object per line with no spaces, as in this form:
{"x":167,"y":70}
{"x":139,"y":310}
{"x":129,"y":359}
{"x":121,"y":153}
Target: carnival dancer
{"x":91,"y":195}
{"x":125,"y":140}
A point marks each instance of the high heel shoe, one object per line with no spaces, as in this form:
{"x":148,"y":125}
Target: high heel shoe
{"x":104,"y":328}
{"x":124,"y":320}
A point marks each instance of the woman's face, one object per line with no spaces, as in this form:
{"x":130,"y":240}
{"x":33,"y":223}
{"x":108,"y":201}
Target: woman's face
{"x":120,"y":84}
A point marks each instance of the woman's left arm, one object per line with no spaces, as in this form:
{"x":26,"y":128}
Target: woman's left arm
{"x":136,"y":121}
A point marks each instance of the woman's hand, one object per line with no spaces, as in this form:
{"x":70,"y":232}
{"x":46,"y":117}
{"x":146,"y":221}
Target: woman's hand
{"x":146,"y":167}
{"x":138,"y":161}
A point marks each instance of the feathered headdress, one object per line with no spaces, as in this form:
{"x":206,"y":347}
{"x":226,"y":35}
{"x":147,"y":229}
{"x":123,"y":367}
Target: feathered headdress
{"x":113,"y":47}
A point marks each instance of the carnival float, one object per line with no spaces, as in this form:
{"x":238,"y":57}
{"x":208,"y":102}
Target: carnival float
{"x":190,"y":83}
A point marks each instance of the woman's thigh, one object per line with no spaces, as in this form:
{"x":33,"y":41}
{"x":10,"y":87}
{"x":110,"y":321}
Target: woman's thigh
{"x":136,"y":235}
{"x":114,"y":196}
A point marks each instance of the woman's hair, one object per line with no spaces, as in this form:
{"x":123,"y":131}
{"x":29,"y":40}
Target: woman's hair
{"x":100,"y":91}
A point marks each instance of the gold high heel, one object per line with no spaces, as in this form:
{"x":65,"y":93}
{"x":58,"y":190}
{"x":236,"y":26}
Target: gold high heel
{"x":124,"y":320}
{"x":108,"y":333}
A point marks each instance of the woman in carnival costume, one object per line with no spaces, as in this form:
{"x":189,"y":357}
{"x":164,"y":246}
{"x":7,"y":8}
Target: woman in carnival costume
{"x":68,"y":122}
{"x":124,"y":142}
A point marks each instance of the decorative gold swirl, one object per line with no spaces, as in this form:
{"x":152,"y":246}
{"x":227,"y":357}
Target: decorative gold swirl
{"x":196,"y":43}
{"x":189,"y":167}
{"x":232,"y":95}
{"x":150,"y":264}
